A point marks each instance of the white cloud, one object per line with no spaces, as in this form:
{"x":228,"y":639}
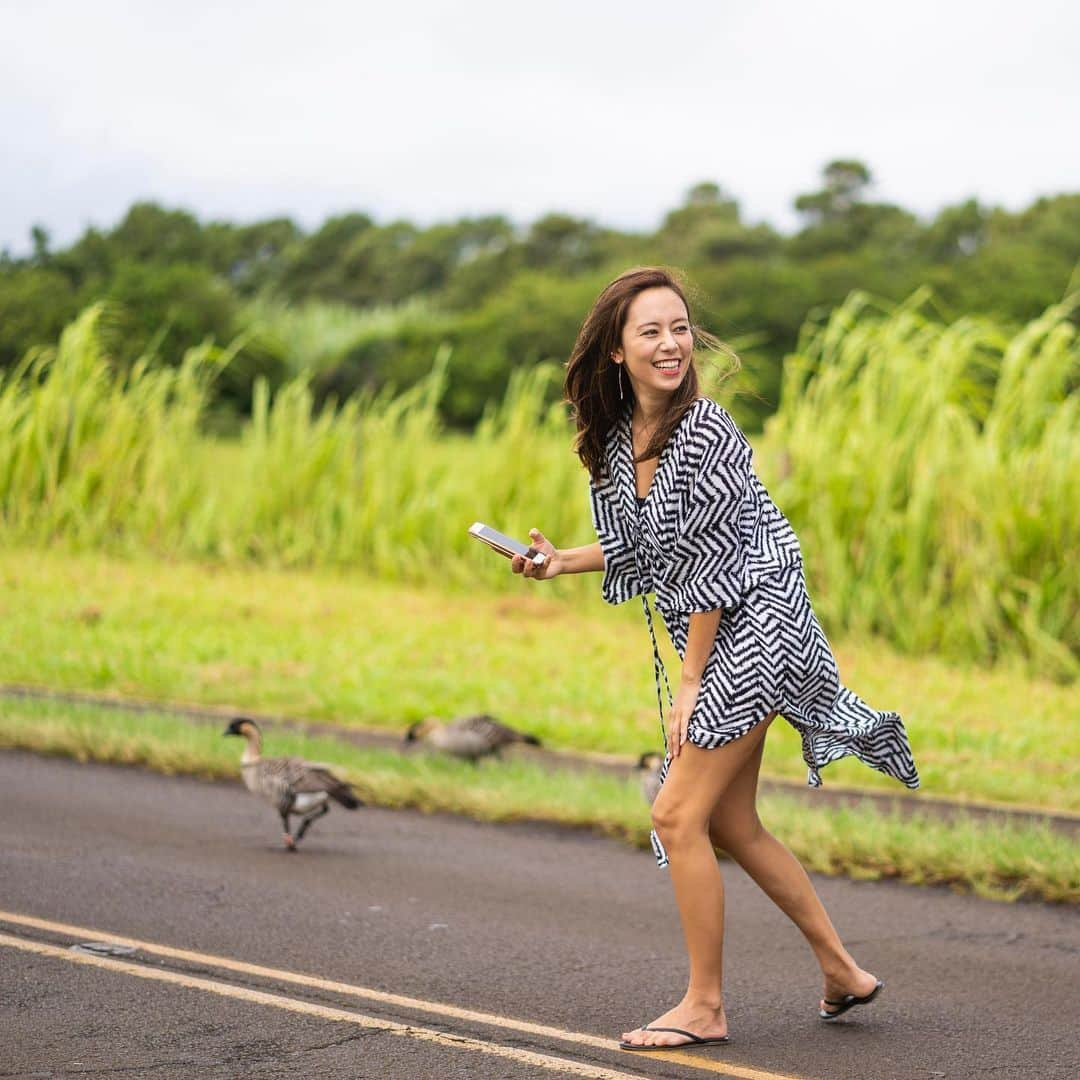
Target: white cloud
{"x":606,"y":109}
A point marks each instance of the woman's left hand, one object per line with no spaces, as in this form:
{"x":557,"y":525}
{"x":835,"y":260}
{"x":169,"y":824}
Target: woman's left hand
{"x":679,"y":716}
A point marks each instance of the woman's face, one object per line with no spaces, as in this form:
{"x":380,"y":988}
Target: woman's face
{"x":656,"y":342}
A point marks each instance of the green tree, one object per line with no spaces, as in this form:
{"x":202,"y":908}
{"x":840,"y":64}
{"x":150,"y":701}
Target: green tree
{"x":39,"y":237}
{"x":1051,"y":224}
{"x":89,"y":262}
{"x":956,"y":232}
{"x":439,"y":251}
{"x":183,"y":303}
{"x":565,"y":244}
{"x":151,"y":234}
{"x":36,"y":303}
{"x":838,"y":218}
{"x":249,"y":256}
{"x":315,"y":269}
{"x":845,"y":183}
{"x":503,"y":295}
{"x":708,"y":228}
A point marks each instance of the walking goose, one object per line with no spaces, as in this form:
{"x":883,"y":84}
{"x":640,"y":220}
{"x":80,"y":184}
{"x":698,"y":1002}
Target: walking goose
{"x":291,"y":785}
{"x":469,"y":737}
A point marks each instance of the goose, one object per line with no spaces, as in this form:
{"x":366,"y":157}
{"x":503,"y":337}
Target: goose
{"x":291,"y":785}
{"x":649,"y":765}
{"x":469,"y":737}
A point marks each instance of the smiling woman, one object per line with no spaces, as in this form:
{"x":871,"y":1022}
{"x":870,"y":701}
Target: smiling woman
{"x":658,"y":342}
{"x":679,"y":512}
{"x":656,"y":352}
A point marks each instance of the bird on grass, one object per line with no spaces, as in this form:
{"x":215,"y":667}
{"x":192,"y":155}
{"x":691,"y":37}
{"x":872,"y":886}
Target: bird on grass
{"x":649,"y":765}
{"x":294,"y":787}
{"x":470,"y":737}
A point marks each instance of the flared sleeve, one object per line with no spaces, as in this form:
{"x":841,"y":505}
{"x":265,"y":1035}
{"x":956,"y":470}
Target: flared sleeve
{"x":706,"y":568}
{"x":621,"y":578}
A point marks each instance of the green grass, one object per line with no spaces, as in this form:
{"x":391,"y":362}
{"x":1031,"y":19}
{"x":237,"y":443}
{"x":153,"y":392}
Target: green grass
{"x":341,"y":648}
{"x":1002,"y":862}
{"x":931,"y":469}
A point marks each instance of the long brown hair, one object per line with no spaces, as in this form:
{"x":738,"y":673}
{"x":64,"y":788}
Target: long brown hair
{"x":593,"y":380}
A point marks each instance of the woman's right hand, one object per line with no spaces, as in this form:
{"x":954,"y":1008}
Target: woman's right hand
{"x":552,"y":565}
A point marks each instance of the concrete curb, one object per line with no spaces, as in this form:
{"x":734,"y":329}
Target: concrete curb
{"x":905,"y":804}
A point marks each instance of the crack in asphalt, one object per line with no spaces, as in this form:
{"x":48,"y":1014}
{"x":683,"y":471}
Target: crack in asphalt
{"x":356,"y":1036}
{"x":231,"y":1061}
{"x":974,"y":937}
{"x":95,"y":1070}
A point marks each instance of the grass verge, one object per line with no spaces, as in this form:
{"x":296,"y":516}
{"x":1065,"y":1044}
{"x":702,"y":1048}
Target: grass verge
{"x":1003,"y":862}
{"x":345,"y":649}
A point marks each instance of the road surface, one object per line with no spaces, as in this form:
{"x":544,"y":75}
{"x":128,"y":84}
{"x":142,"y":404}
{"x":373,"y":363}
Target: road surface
{"x":396,"y":944}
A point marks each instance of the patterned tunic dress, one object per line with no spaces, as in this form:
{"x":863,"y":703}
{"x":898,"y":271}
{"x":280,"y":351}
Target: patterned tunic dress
{"x":708,"y":536}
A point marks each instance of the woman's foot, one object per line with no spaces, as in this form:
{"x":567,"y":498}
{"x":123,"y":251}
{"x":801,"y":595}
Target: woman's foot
{"x":854,"y":981}
{"x":702,"y":1019}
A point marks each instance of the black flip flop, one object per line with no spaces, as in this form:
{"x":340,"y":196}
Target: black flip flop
{"x":849,"y":1001}
{"x":694,"y":1040}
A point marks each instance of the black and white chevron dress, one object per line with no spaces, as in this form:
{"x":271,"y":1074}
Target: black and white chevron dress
{"x":708,"y":536}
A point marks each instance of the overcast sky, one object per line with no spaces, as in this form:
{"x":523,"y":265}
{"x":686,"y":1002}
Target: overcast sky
{"x":432,"y":110}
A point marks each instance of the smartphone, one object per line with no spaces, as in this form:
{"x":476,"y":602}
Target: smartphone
{"x":505,"y":545}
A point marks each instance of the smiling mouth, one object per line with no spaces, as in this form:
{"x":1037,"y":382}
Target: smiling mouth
{"x":668,"y":365}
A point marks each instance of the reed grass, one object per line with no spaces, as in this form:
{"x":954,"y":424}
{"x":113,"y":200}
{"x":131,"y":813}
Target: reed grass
{"x":932,"y":470}
{"x":933,"y":473}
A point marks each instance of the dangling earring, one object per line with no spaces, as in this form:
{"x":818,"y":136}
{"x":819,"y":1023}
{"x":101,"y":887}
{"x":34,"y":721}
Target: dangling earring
{"x":621,"y":395}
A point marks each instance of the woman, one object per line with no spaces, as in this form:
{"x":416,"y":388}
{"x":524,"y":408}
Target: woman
{"x":679,"y":512}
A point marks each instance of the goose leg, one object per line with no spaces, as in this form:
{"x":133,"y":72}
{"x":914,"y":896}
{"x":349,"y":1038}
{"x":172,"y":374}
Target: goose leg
{"x":313,"y":816}
{"x":290,"y":843}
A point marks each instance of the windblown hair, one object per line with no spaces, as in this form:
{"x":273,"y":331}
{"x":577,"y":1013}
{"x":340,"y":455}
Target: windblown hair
{"x":593,"y":380}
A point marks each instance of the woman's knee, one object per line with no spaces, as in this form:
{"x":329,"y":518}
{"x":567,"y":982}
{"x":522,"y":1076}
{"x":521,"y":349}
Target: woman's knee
{"x":675,"y":822}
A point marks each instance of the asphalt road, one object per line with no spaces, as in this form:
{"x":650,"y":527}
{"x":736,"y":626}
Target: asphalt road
{"x":536,"y":928}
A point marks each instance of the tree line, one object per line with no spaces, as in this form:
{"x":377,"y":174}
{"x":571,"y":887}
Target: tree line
{"x":502,"y":295}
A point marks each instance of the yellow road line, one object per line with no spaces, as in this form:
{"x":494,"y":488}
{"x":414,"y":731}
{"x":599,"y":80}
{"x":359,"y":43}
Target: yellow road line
{"x":741,"y":1072}
{"x":325,"y":1012}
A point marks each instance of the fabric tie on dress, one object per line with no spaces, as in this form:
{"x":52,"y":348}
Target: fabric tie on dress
{"x":660,"y":675}
{"x":659,"y":672}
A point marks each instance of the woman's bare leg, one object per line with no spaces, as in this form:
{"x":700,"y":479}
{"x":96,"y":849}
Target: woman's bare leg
{"x":736,"y":828}
{"x":696,"y":782}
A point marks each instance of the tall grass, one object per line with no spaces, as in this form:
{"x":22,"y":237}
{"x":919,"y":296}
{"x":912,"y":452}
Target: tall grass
{"x":98,"y":458}
{"x":931,"y":470}
{"x":94,"y":455}
{"x":378,"y":486}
